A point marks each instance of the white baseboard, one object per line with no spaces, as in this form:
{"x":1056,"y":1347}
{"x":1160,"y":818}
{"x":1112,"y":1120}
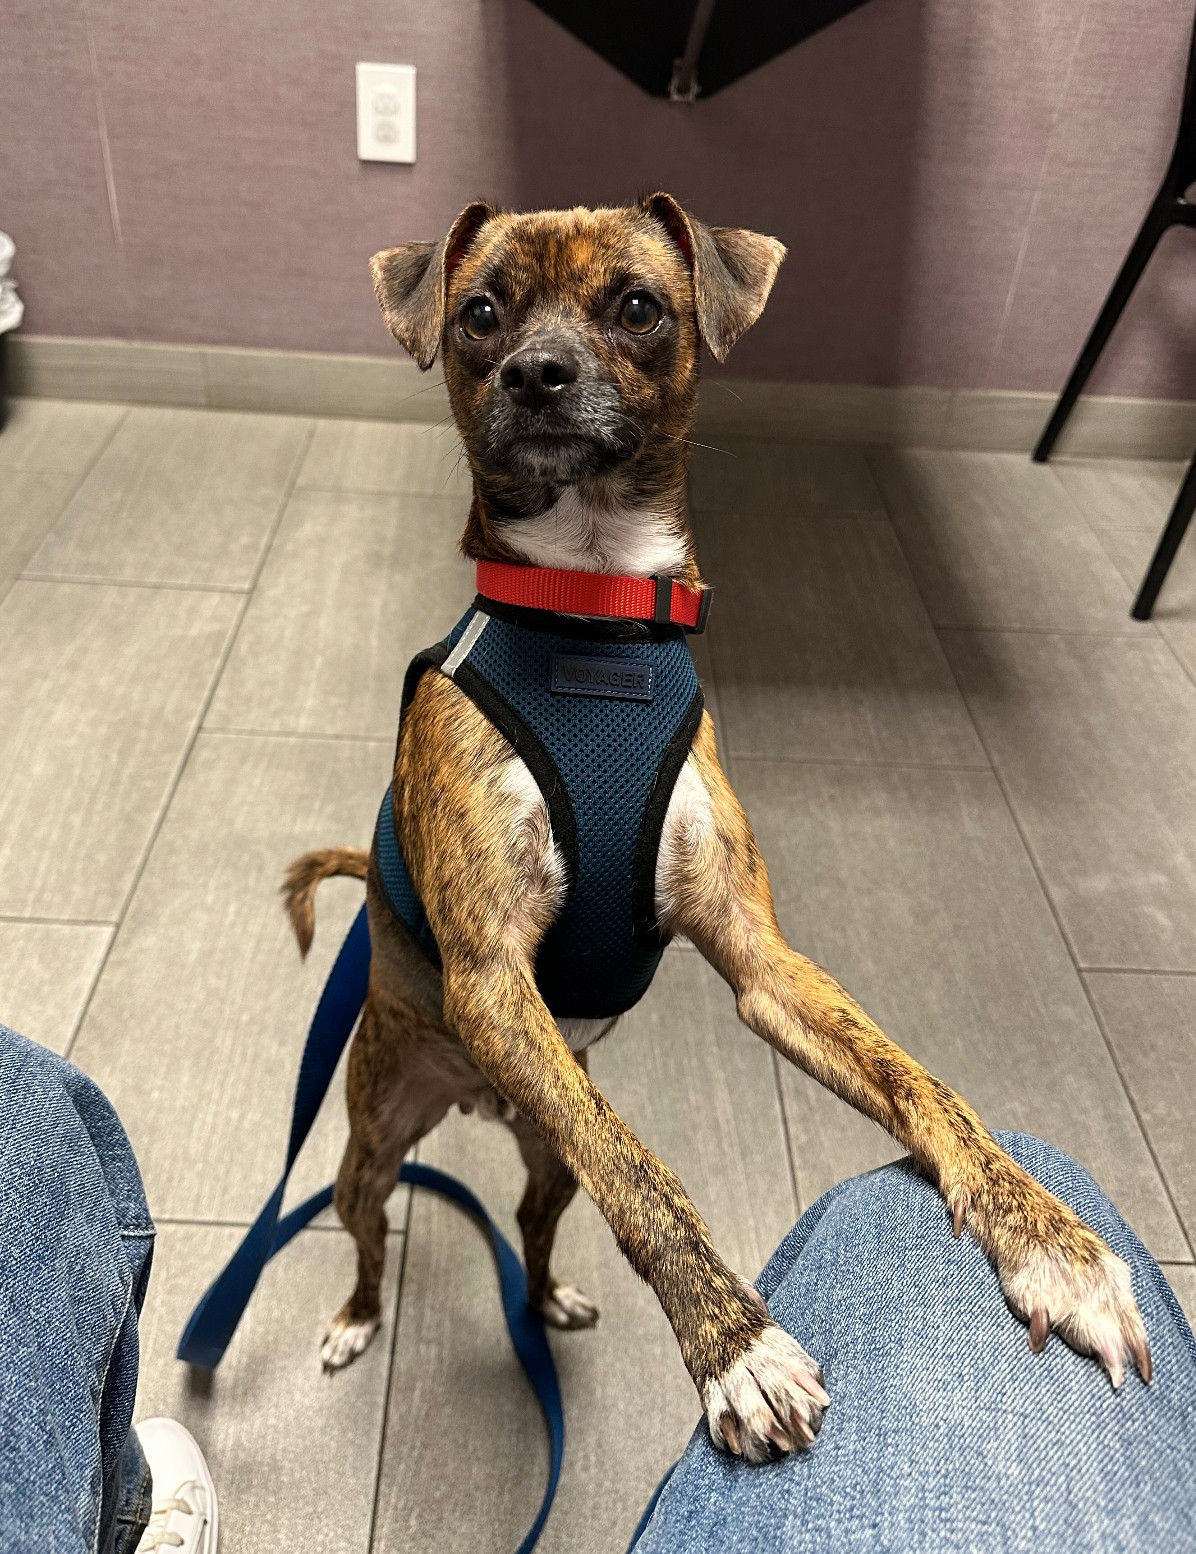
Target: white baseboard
{"x":393,"y":389}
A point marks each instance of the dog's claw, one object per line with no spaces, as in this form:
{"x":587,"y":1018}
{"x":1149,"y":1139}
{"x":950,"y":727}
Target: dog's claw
{"x":1078,"y":1289}
{"x":1141,"y":1351}
{"x":771,"y":1399}
{"x":816,"y":1390}
{"x":1111,"y":1360}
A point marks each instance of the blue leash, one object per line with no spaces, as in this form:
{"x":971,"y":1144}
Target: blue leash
{"x":214,"y":1320}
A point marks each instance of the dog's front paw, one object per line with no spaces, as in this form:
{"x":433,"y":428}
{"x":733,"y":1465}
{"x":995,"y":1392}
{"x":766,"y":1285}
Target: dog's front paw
{"x":566,"y":1306}
{"x":346,"y":1339}
{"x":1082,"y":1292}
{"x":769,"y":1402}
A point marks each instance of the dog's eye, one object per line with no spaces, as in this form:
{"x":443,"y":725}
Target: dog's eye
{"x":640,"y":313}
{"x":478,"y":318}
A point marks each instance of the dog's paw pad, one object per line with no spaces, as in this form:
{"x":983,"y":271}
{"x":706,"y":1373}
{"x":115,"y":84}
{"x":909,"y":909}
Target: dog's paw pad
{"x":566,"y":1306}
{"x":769,"y":1402}
{"x":345,"y":1341}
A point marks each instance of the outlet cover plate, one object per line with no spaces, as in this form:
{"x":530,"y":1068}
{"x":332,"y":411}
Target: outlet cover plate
{"x":386,"y":113}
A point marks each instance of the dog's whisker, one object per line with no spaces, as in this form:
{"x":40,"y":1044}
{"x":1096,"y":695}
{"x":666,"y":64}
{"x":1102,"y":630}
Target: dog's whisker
{"x":456,"y":466}
{"x":428,"y":388}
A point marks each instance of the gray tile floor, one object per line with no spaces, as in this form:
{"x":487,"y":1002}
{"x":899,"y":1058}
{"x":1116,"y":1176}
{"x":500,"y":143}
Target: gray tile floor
{"x":972,"y":774}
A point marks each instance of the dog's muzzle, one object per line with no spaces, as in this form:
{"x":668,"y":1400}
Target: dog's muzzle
{"x":553,"y":416}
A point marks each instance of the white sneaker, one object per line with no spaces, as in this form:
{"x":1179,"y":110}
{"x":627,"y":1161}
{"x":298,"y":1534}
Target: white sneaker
{"x":184,"y":1515}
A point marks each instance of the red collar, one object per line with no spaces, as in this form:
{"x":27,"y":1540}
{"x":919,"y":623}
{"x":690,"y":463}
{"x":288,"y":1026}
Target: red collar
{"x":657,"y":598}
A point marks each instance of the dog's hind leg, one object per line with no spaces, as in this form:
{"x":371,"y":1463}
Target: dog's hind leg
{"x":394,"y":1098}
{"x":550,"y":1190}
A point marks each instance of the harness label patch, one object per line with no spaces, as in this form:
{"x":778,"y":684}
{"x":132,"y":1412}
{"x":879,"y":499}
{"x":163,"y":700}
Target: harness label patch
{"x":628,"y":679}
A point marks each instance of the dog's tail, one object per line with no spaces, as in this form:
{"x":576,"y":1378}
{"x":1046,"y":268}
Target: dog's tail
{"x":299,"y":885}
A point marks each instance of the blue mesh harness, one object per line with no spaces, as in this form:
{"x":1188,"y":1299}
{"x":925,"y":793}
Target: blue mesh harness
{"x":603,"y":714}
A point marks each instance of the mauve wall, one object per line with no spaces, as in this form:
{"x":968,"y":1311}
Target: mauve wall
{"x":957,"y":179}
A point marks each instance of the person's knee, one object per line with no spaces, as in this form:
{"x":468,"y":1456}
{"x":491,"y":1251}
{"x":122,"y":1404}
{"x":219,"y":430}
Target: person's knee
{"x":29,"y":1073}
{"x":53,"y":1113}
{"x":900,"y":1189}
{"x":890,"y":1195}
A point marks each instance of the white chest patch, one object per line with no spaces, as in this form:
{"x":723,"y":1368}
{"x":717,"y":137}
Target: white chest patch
{"x":579,"y":538}
{"x":687,"y":822}
{"x":580,"y":1034}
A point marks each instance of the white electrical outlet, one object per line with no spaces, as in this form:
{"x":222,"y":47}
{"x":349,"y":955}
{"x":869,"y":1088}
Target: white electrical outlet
{"x":386,"y":113}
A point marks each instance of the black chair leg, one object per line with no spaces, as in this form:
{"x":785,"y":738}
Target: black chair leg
{"x":1158,"y":219}
{"x":1169,"y":541}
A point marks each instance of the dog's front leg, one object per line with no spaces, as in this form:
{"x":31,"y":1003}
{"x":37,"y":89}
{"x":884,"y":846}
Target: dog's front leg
{"x":1056,"y":1273}
{"x":476,"y":836}
{"x":762,"y":1392}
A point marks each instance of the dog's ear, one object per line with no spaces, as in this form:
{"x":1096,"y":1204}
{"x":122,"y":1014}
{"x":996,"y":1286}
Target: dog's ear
{"x":411,"y":283}
{"x":733,"y":271}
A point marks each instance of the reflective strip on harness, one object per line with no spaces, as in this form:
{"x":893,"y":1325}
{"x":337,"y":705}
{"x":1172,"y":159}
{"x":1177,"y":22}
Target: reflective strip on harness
{"x":468,"y":637}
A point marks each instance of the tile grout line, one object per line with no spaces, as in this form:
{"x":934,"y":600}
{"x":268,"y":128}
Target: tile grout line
{"x":89,"y":464}
{"x":790,"y":1152}
{"x":162,"y":586}
{"x":734,"y":757}
{"x":84,"y":472}
{"x":160,"y":818}
{"x":189,"y":744}
{"x":198,"y":1222}
{"x":393,"y":1350}
{"x":1071,"y":501}
{"x":1060,"y":929}
{"x":303,"y":489}
{"x":1097,"y":1016}
{"x":1129,"y":631}
{"x":1074,"y":958}
{"x":778,"y":1088}
{"x":1138,"y":971}
{"x":1096,"y":531}
{"x":1127,"y":634}
{"x":760,"y":759}
{"x":89,"y":991}
{"x":296,"y":733}
{"x":885,"y":517}
{"x":826,"y":513}
{"x":58,"y":922}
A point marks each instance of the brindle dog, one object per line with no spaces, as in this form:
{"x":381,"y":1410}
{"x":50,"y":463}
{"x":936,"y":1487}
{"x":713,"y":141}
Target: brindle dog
{"x":570,"y":342}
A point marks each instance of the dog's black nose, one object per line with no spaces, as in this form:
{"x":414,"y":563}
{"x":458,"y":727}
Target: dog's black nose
{"x":536,"y":376}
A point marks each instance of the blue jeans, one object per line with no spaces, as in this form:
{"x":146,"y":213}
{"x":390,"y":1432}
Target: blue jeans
{"x":945,"y":1433}
{"x":75,"y":1247}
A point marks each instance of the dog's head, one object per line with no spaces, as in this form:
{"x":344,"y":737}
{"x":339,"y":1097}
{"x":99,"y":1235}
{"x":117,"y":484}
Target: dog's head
{"x":570,"y":338}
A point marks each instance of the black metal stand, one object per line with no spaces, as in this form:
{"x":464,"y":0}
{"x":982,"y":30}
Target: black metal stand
{"x":1160,"y":562}
{"x":1169,"y":208}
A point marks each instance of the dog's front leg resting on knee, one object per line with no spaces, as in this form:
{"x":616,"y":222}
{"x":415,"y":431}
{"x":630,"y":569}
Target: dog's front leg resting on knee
{"x":762,"y":1392}
{"x":1056,"y":1273}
